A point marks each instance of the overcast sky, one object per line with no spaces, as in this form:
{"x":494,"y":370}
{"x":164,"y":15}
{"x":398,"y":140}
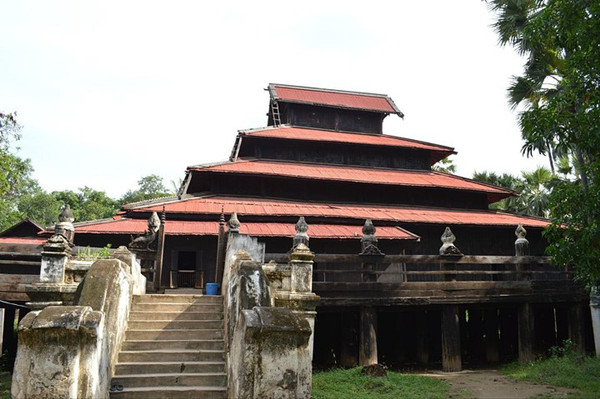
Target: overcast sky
{"x":108,"y":92}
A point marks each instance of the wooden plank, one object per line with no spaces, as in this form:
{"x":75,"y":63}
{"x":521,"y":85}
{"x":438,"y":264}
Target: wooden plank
{"x":14,"y":296}
{"x":22,"y":248}
{"x":19,"y":255}
{"x":11,"y":262}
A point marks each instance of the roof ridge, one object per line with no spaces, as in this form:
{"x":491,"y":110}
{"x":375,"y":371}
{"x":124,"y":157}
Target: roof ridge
{"x":323,"y":89}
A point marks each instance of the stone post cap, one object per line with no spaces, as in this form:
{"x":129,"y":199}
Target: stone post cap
{"x":301,"y":253}
{"x":64,"y":317}
{"x":448,"y":248}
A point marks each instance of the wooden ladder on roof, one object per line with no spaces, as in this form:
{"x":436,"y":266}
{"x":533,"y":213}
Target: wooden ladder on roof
{"x":275,"y":112}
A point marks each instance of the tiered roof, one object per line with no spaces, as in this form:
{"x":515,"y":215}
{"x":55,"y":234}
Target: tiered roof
{"x":334,"y":98}
{"x":341,"y":215}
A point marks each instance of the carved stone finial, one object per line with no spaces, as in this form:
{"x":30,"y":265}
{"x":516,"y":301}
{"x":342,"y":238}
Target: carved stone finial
{"x":66,"y":215}
{"x":448,"y":247}
{"x":149,"y":237}
{"x":520,"y":232}
{"x":233,"y":225}
{"x":64,"y":226}
{"x":369,"y":241}
{"x":369,"y":228}
{"x":521,"y":243}
{"x":301,"y":236}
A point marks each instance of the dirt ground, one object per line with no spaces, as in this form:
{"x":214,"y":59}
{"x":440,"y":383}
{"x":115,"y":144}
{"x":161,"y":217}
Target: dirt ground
{"x":490,"y":384}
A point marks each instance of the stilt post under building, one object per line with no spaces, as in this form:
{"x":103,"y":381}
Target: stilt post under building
{"x":526,"y":332}
{"x":451,"y":352}
{"x":576,"y":334}
{"x":367,"y":347}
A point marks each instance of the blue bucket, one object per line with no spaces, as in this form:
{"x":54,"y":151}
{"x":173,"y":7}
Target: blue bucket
{"x":212,"y":289}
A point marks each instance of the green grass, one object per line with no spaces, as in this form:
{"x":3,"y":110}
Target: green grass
{"x":342,"y":384}
{"x":5,"y":381}
{"x":571,"y":371}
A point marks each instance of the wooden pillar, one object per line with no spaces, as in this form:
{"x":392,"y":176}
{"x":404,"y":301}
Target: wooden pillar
{"x":367,"y":347}
{"x":491,"y":326}
{"x":422,"y":337}
{"x":221,"y":246}
{"x":576,"y":334}
{"x":526,"y":332}
{"x":160,"y":253}
{"x":451,"y":358}
{"x":348,"y":349}
{"x":1,"y":330}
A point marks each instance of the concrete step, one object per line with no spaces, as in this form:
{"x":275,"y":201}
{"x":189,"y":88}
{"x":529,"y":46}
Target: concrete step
{"x":187,"y":315}
{"x":192,"y":344}
{"x":162,"y":298}
{"x":169,"y":367}
{"x":146,"y":335}
{"x":177,"y":307}
{"x":175,"y":324}
{"x":166,"y":355}
{"x":164,"y":380}
{"x":171,"y":393}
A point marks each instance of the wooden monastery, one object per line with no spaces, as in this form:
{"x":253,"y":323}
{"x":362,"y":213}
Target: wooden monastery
{"x":375,"y":211}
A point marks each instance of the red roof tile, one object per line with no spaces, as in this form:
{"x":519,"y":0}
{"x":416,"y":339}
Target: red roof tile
{"x":22,"y":240}
{"x":388,"y":213}
{"x":334,"y":98}
{"x":175,"y":227}
{"x":297,"y":133}
{"x":400,"y":177}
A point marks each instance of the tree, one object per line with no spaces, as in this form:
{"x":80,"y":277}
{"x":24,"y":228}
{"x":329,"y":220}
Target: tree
{"x":446,"y":165}
{"x":87,"y":203}
{"x":559,"y":93}
{"x":149,"y":187}
{"x":15,"y":173}
{"x":533,"y":188}
{"x":510,"y":204}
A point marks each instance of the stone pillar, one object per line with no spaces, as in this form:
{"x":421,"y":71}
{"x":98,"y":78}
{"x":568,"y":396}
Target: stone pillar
{"x":595,"y":311}
{"x":576,"y":332}
{"x":451,"y":352}
{"x":55,"y":288}
{"x":367,"y":347}
{"x":526,"y":332}
{"x":291,"y":284}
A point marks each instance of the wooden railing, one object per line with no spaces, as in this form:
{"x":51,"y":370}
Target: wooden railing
{"x":187,"y":279}
{"x":415,"y":268}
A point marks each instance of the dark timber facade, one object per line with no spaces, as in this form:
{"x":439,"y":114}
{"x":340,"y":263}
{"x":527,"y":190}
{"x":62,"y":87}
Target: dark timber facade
{"x":324,"y":156}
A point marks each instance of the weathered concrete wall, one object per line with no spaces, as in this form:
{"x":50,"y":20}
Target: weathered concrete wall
{"x":595,"y":311}
{"x":70,"y":351}
{"x":268,"y":347}
{"x":57,"y":346}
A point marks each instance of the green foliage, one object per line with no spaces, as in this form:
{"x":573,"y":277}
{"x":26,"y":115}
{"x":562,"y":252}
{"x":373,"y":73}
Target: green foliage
{"x":149,"y":187}
{"x":534,"y":188}
{"x":446,"y":165}
{"x":87,"y":203}
{"x":350,"y":384}
{"x":569,"y":371}
{"x":88,"y":253}
{"x":560,"y":96}
{"x":574,"y":235}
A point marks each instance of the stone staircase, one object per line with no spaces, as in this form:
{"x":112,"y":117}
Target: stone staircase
{"x":173,"y":349}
